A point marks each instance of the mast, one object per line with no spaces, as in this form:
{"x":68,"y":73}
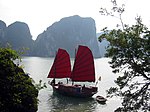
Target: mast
{"x":73,"y":66}
{"x":55,"y":67}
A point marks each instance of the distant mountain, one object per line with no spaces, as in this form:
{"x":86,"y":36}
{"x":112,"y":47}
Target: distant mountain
{"x":17,"y":35}
{"x":102,"y":45}
{"x":2,"y":32}
{"x":68,"y":33}
{"x":2,"y":24}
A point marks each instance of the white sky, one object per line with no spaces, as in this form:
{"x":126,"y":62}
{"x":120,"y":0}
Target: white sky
{"x":40,"y":14}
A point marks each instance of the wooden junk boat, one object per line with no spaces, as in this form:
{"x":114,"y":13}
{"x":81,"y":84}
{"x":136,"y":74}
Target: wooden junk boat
{"x":83,"y":71}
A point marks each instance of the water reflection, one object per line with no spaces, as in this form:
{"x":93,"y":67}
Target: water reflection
{"x":61,"y":103}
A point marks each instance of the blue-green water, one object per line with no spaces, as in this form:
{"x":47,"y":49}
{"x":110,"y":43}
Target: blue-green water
{"x":38,"y":68}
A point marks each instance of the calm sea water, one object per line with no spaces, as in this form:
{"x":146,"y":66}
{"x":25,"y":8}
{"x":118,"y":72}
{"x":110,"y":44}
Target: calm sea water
{"x":38,"y":68}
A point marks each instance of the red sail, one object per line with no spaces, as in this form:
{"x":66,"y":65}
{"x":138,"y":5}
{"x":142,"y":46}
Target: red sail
{"x":61,"y":67}
{"x":83,"y":69}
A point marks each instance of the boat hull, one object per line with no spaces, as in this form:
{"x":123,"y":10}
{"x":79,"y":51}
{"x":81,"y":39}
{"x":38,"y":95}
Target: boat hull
{"x":75,"y":91}
{"x":101,"y":99}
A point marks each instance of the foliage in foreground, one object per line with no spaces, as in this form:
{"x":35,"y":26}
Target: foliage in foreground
{"x":130,"y":52}
{"x":18,"y":94}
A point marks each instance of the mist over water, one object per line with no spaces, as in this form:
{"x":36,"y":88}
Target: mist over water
{"x":38,"y":68}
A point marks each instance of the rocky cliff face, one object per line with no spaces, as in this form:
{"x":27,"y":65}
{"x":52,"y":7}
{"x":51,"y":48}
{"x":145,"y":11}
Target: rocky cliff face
{"x":102,"y":45}
{"x":2,"y":32}
{"x":17,"y":35}
{"x":68,"y":33}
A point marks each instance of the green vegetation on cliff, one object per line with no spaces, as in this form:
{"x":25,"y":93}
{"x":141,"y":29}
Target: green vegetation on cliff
{"x":18,"y":94}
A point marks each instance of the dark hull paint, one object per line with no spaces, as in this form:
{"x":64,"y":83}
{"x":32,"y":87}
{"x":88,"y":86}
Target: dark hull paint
{"x":101,"y":100}
{"x":75,"y":91}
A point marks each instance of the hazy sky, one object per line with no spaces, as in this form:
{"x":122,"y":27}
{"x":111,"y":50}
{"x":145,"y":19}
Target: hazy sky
{"x":40,"y":14}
